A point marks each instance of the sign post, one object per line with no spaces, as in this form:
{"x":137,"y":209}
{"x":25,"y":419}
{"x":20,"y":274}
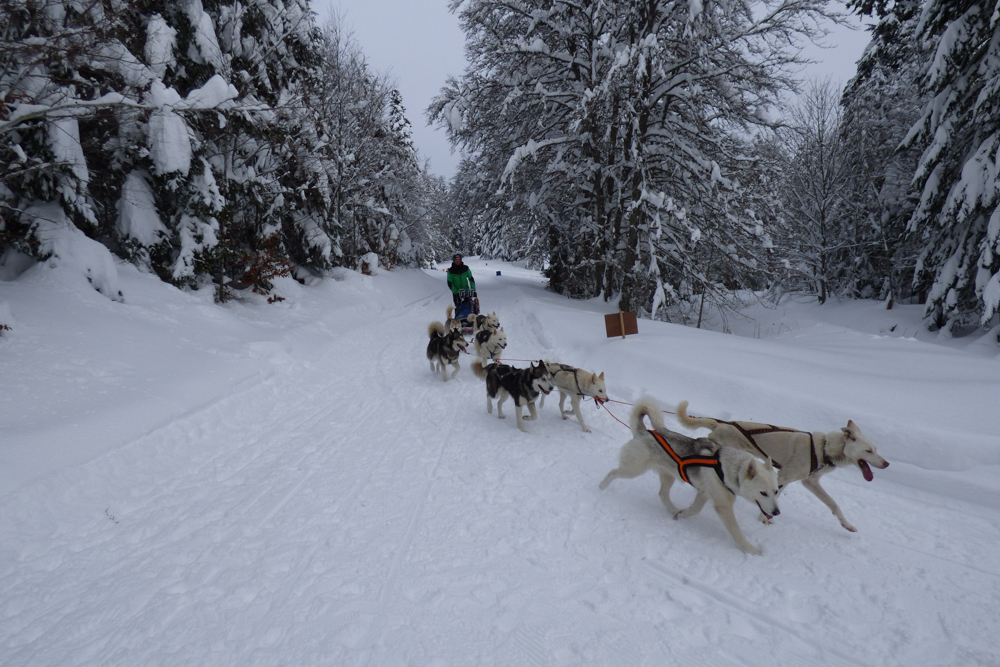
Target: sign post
{"x":621,"y":324}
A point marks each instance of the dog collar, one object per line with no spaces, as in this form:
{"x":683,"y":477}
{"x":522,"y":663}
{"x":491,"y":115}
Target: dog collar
{"x":687,"y":461}
{"x":814,"y":464}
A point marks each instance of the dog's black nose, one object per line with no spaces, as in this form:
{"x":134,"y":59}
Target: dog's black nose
{"x":776,"y":512}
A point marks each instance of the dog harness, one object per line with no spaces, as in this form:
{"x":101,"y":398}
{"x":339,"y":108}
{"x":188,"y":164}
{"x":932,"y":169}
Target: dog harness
{"x":563,"y":368}
{"x":483,"y":340}
{"x":814,"y":464}
{"x":687,"y":461}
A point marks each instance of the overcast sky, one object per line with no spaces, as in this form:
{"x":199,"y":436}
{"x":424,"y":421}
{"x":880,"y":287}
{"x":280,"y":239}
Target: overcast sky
{"x":419,"y":44}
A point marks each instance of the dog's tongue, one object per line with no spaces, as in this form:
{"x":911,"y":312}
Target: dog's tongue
{"x":865,"y":470}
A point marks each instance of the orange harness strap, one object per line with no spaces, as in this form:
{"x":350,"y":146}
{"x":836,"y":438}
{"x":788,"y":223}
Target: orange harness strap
{"x":685,"y":461}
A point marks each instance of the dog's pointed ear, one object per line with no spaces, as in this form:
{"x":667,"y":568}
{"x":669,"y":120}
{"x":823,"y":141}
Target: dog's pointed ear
{"x":751,"y":471}
{"x":601,"y":376}
{"x":770,"y":463}
{"x":850,"y":431}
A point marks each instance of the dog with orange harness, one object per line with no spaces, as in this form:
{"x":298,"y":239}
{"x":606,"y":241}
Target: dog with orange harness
{"x":718,"y":473}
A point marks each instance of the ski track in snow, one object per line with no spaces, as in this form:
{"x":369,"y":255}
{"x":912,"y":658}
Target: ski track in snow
{"x":352,"y":509}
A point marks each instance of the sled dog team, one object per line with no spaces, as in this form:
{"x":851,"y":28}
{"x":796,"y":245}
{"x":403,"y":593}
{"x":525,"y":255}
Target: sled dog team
{"x":753,"y":460}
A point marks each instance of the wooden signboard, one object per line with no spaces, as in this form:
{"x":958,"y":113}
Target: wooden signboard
{"x":621,"y":324}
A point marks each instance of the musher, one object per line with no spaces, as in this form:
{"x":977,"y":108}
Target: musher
{"x":460,"y":280}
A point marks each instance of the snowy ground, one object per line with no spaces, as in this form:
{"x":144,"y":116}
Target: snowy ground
{"x":188,"y":484}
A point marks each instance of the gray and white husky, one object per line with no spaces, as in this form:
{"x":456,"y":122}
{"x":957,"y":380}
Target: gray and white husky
{"x":524,"y":385}
{"x":490,"y":344}
{"x":451,"y":323}
{"x":799,"y":455}
{"x":718,"y":473}
{"x":577,"y":384}
{"x":444,"y":348}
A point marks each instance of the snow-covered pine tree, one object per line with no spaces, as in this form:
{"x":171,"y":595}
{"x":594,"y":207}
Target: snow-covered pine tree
{"x":232,"y":217}
{"x":158,"y":153}
{"x":48,"y":55}
{"x":957,"y":219}
{"x":880,"y":105}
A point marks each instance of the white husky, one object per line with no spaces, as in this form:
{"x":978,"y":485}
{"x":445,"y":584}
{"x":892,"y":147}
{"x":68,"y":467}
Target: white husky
{"x":490,"y":344}
{"x":799,"y":455}
{"x":577,"y":384}
{"x":718,"y":473}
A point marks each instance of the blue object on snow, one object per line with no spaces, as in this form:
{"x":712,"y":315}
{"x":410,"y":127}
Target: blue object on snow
{"x":498,"y":273}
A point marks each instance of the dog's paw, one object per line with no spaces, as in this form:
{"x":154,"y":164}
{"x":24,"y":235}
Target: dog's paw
{"x":587,"y":430}
{"x":763,"y":519}
{"x":751,"y":549}
{"x":848,"y":526}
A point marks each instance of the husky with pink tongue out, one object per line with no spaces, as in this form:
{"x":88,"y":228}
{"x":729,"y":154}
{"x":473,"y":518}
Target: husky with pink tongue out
{"x":798,"y":455}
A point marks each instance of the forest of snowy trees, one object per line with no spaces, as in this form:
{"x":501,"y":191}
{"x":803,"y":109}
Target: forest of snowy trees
{"x":655,"y":152}
{"x":203,"y":140}
{"x":646,"y":150}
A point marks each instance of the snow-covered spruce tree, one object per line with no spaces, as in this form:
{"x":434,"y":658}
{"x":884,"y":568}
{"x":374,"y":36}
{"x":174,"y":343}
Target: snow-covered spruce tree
{"x":50,"y":57}
{"x":152,"y":147}
{"x":880,"y":105}
{"x":630,"y":117}
{"x":229,"y":209}
{"x":957,"y":220}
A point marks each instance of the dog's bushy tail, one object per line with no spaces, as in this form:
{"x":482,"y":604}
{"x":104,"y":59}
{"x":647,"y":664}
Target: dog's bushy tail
{"x":646,"y":407}
{"x":449,"y":311}
{"x":435,"y":329}
{"x":479,"y":370}
{"x":693,"y":422}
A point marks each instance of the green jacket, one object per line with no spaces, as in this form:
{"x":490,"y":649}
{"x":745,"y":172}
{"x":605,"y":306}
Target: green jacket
{"x":460,"y":278}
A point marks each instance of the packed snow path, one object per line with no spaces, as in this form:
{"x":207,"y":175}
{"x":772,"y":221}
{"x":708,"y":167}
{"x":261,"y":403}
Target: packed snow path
{"x":340,"y":505}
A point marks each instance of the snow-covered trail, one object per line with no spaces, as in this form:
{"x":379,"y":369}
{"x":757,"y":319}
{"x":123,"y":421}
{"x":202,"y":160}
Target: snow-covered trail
{"x":346,"y":507}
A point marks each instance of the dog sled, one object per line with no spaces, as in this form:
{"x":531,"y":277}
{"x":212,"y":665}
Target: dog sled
{"x":468,"y":306}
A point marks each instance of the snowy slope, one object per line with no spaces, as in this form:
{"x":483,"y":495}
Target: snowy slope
{"x":182,"y":483}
